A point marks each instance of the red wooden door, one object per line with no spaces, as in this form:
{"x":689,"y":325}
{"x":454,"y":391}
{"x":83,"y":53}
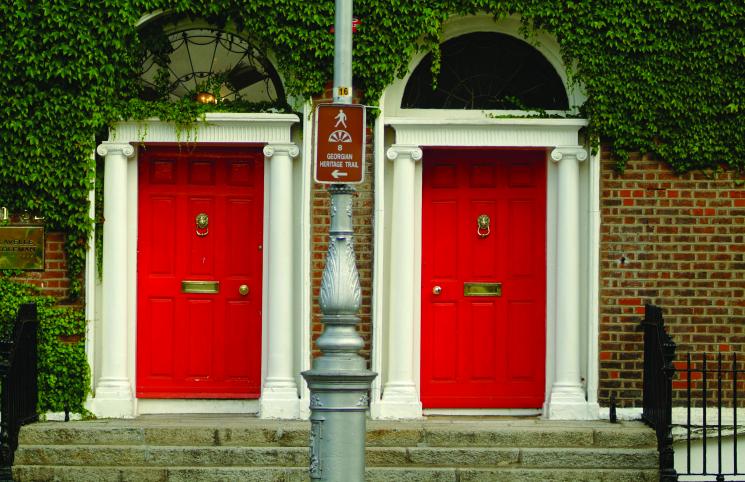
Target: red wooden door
{"x":483,"y":351}
{"x":192,"y":344}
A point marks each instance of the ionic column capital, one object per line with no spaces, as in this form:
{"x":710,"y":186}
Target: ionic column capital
{"x":404,"y":151}
{"x":107,"y":149}
{"x":290,"y":150}
{"x":562,"y":152}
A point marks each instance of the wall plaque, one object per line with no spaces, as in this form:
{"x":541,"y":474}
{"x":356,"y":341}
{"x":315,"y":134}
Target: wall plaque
{"x":22,"y":247}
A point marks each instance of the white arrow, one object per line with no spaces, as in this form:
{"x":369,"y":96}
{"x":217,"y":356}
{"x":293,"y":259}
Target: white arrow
{"x":337,"y":174}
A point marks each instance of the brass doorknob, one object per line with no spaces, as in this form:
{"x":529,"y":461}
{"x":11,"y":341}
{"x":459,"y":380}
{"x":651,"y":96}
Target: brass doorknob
{"x":436,"y":290}
{"x":243,"y":290}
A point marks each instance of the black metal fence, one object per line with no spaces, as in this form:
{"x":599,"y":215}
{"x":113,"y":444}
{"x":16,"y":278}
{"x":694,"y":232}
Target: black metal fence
{"x":659,"y":353}
{"x":709,"y":384}
{"x":18,"y":378}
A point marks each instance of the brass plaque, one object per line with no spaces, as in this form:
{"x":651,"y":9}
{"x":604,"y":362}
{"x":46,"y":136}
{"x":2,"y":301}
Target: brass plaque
{"x":22,"y":247}
{"x":188,"y":286}
{"x":482,"y":289}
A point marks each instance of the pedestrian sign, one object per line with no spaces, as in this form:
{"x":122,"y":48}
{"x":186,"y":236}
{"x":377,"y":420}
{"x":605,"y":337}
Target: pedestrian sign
{"x":340,"y":143}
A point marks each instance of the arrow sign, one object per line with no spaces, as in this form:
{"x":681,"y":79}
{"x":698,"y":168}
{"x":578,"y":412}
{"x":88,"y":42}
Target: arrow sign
{"x":340,"y":143}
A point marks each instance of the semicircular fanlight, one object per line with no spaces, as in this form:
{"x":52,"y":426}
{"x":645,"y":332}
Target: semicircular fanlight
{"x":486,"y":70}
{"x":219,"y":65}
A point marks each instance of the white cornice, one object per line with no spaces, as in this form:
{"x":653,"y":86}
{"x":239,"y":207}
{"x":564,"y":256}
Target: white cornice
{"x":216,"y":127}
{"x":486,"y":132}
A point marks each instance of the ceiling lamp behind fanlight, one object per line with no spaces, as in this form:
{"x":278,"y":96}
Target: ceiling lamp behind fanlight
{"x":210,"y":66}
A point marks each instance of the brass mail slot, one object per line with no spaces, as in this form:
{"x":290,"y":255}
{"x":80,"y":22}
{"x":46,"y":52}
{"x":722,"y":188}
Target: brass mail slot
{"x":482,"y":289}
{"x":200,"y":286}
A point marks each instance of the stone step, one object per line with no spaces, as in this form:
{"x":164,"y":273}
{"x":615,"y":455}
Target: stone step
{"x":166,"y":456}
{"x":276,"y":474}
{"x":379,"y":434}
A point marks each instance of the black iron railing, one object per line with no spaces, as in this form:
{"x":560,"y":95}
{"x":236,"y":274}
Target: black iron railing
{"x":18,"y":376}
{"x":659,"y":352}
{"x":707,"y":382}
{"x":711,"y":382}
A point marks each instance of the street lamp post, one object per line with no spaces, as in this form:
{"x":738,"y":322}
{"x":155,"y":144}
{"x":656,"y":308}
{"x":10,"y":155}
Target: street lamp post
{"x":339,"y":381}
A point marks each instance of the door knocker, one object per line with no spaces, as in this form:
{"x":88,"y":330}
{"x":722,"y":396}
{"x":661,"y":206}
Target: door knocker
{"x":202,"y":221}
{"x":483,"y":223}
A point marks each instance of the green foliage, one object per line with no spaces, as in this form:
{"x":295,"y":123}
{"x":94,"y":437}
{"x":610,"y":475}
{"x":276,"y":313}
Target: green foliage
{"x":662,"y":76}
{"x":64,"y":375}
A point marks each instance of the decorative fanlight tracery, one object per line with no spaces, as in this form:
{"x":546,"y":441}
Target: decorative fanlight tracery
{"x":206,"y":63}
{"x":486,"y":70}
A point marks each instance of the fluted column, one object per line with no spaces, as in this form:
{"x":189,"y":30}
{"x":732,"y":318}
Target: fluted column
{"x":400,"y":396}
{"x":279,"y":395}
{"x":567,"y":400}
{"x":113,"y":391}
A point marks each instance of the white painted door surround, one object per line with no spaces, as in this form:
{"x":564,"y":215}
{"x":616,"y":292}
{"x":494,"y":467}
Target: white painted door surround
{"x":114,"y":357}
{"x":572,"y":229}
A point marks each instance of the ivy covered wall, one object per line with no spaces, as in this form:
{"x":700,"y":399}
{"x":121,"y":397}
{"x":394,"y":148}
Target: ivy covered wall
{"x":661,"y":76}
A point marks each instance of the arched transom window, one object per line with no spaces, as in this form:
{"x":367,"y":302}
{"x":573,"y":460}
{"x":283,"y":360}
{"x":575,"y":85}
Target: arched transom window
{"x":486,"y":70}
{"x":205,"y":62}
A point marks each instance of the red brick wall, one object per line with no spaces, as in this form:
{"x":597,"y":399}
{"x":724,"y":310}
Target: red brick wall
{"x":363,"y":242}
{"x":53,"y":281}
{"x":675,"y":241}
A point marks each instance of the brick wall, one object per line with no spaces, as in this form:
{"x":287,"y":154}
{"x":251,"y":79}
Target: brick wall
{"x":675,"y":241}
{"x":363,"y":242}
{"x":53,"y":281}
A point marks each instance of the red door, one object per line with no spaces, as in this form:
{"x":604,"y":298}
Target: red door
{"x":199,"y":272}
{"x":483,"y":284}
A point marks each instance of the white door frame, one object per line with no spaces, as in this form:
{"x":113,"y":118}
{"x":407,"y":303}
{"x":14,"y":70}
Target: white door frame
{"x":572,"y":228}
{"x":113,"y":354}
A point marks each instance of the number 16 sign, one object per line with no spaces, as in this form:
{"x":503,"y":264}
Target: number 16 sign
{"x":340,"y":143}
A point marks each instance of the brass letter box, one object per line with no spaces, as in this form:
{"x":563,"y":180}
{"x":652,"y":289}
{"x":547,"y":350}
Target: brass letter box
{"x":482,"y":289}
{"x":188,"y":286}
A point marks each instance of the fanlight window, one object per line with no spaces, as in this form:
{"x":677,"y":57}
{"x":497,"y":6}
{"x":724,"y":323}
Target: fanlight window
{"x":487,"y":71}
{"x":208,"y":64}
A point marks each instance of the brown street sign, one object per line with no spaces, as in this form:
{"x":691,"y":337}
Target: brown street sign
{"x":340,"y":143}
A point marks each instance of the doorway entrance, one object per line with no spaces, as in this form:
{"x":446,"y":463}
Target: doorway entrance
{"x":199,"y":280}
{"x":483,"y":278}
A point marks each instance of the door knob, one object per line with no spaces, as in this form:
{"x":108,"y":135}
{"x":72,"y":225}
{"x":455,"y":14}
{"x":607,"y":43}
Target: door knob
{"x":243,"y":290}
{"x":436,"y":290}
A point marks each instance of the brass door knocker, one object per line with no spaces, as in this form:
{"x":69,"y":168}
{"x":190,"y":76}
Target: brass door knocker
{"x":202,"y":221}
{"x":482,"y":224}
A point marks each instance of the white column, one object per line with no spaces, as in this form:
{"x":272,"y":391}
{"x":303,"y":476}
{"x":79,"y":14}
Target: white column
{"x":400,"y":397}
{"x":113,"y":391}
{"x":279,"y":395}
{"x":567,"y":400}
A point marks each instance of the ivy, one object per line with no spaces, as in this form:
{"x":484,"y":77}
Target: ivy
{"x":661,"y":76}
{"x":63,"y":372}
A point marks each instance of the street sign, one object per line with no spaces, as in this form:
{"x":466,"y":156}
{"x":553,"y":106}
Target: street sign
{"x":340,"y":143}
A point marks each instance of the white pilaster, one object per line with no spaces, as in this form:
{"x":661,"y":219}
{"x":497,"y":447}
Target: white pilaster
{"x":400,"y":397}
{"x":567,"y":400}
{"x":279,"y":395}
{"x":113,"y":391}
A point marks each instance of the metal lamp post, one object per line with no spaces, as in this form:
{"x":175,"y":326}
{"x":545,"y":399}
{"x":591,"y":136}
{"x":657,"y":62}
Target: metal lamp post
{"x":339,"y":381}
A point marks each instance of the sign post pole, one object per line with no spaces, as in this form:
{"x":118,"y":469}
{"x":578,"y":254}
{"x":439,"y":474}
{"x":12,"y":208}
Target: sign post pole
{"x":339,"y":381}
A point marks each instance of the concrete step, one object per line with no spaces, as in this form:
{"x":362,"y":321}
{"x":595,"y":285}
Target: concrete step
{"x":278,"y":474}
{"x":166,"y":456}
{"x":230,"y":448}
{"x":255,"y":433}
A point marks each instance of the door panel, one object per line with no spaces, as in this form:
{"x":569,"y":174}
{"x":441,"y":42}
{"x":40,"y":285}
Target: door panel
{"x":191,"y":344}
{"x":483,"y":351}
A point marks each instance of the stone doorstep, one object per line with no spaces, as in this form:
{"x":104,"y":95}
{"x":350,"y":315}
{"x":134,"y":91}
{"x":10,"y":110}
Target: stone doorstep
{"x":236,"y":430}
{"x":186,"y":456}
{"x":276,"y":474}
{"x":233,"y":447}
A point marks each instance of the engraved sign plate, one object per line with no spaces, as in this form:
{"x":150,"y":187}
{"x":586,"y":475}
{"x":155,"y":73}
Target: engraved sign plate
{"x":22,"y":247}
{"x":482,"y":289}
{"x":188,"y":286}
